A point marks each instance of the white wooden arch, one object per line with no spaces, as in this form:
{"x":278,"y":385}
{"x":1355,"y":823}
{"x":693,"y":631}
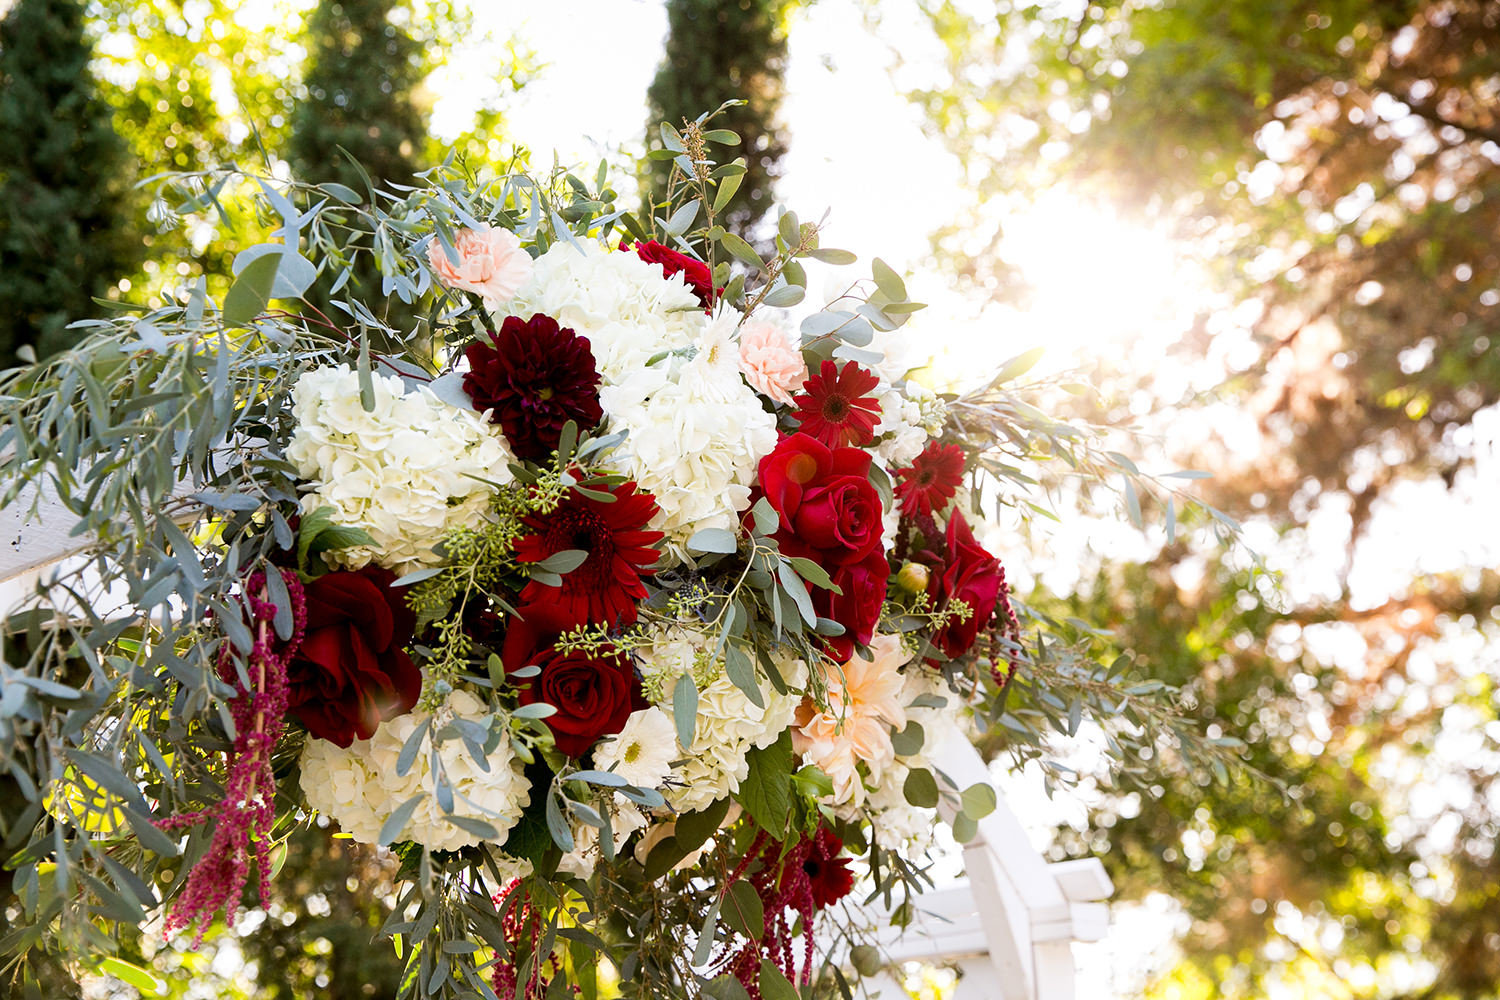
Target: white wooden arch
{"x":1009,"y":926}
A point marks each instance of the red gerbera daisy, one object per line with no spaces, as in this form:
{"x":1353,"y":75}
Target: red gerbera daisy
{"x":928,"y":485}
{"x":828,"y":875}
{"x":605,"y":588}
{"x":835,"y":409}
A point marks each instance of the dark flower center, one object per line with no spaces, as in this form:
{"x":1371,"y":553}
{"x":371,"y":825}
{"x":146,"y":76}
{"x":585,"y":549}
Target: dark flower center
{"x":835,"y":408}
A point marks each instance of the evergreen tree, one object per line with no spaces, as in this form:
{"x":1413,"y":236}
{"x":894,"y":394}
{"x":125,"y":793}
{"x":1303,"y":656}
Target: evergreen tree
{"x":63,"y":234}
{"x":721,"y":50}
{"x":362,"y":68}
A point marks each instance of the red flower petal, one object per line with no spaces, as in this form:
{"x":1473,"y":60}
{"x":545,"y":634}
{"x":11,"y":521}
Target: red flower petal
{"x":835,"y":409}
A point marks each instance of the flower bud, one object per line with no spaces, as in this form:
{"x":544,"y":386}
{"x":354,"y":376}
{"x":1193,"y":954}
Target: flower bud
{"x":913,"y":578}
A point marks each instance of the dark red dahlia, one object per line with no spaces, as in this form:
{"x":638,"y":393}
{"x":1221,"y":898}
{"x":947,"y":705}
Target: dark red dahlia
{"x":534,"y":379}
{"x":929,"y":484}
{"x":835,"y":409}
{"x":605,"y":588}
{"x":694,"y":272}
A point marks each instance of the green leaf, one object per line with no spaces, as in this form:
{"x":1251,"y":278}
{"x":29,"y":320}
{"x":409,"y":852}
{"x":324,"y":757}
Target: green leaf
{"x":132,"y":974}
{"x":766,"y":792}
{"x":536,"y":710}
{"x":741,"y":671}
{"x":828,"y":255}
{"x":694,"y":828}
{"x":562,"y":834}
{"x":920,"y":788}
{"x":722,"y":136}
{"x":563,"y":561}
{"x":1018,"y":366}
{"x":743,"y":910}
{"x":713,"y":540}
{"x":888,"y":281}
{"x":742,"y":251}
{"x":775,"y":986}
{"x":812,"y":572}
{"x":792,"y":584}
{"x":909,"y":740}
{"x":705,"y":948}
{"x":251,"y":291}
{"x":978,"y":800}
{"x":727,"y":187}
{"x":786,"y":295}
{"x":1132,"y":503}
{"x":396,"y":821}
{"x":685,"y":710}
{"x":766,"y":518}
{"x":683,"y":218}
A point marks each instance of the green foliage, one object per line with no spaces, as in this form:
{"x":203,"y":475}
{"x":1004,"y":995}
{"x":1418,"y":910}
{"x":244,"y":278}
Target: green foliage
{"x":718,"y":51}
{"x":362,"y":67}
{"x":64,"y":209}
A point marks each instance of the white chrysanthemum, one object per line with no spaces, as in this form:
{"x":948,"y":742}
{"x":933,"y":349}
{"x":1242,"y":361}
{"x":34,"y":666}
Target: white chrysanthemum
{"x":697,"y":434}
{"x":359,"y":788}
{"x":643,"y":751}
{"x":624,"y":306}
{"x":728,"y":726}
{"x":405,"y":472}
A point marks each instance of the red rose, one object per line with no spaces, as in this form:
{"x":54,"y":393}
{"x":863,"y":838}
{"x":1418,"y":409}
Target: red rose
{"x":593,"y":695}
{"x":694,"y":272}
{"x":351,"y":672}
{"x":829,"y":508}
{"x":857,"y":608}
{"x":971,"y":575}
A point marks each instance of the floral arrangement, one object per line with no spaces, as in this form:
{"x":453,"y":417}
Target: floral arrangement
{"x":630,"y":614}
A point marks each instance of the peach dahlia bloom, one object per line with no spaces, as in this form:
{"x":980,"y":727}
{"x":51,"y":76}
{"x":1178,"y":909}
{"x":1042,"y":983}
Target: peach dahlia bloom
{"x":864,"y":702}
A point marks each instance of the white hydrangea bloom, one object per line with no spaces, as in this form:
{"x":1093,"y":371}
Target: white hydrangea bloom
{"x":359,"y":788}
{"x":403,"y":472}
{"x":643,"y":751}
{"x":898,"y":825}
{"x":729,"y":725}
{"x":697,"y":434}
{"x":624,"y":306}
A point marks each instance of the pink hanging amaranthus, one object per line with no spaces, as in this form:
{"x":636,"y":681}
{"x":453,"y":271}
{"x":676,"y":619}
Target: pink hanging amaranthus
{"x":794,"y":886}
{"x":247,"y":813}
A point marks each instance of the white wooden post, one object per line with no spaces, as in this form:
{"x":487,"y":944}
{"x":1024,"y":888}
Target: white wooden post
{"x":1010,"y":926}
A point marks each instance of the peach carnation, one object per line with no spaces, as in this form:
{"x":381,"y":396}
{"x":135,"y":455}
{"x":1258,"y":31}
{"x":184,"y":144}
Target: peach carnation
{"x":490,"y":262}
{"x":771,"y":365}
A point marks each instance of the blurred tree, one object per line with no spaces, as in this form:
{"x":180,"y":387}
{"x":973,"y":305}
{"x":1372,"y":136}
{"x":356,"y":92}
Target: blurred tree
{"x":717,"y":51}
{"x":193,"y":88}
{"x":64,"y":176}
{"x":1340,"y":164}
{"x":362,"y":68}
